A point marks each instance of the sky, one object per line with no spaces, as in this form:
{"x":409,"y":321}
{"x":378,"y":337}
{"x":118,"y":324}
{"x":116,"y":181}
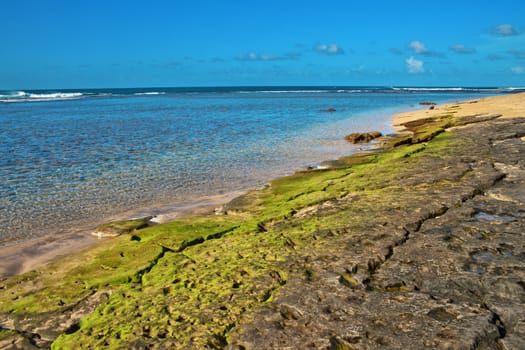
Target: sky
{"x":71,"y":44}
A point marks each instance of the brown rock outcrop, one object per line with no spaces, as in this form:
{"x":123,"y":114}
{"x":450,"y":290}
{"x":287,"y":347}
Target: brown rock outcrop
{"x":362,"y":137}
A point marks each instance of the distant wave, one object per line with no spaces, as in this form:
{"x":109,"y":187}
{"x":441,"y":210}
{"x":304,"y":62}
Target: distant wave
{"x":49,"y":95}
{"x":150,"y":93}
{"x":52,"y":95}
{"x":22,"y":96}
{"x":419,"y":89}
{"x":459,"y":89}
{"x":281,"y":91}
{"x":373,"y":89}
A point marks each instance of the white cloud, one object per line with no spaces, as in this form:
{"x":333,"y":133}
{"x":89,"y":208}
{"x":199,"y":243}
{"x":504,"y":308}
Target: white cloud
{"x":460,"y":48}
{"x":330,"y":49}
{"x":252,"y":56}
{"x":418,"y":47}
{"x":518,"y":70}
{"x":414,"y":66}
{"x":505,"y":30}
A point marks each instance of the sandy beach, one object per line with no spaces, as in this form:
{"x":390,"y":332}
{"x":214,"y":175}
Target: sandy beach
{"x":415,"y":245}
{"x":508,"y":106}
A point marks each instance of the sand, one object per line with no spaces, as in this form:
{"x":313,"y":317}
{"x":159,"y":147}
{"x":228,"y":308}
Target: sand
{"x":509,"y":106}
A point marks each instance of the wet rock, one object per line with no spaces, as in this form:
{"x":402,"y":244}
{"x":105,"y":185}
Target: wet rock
{"x":117,"y":228}
{"x":362,"y":137}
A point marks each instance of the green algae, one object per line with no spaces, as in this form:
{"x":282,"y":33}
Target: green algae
{"x":186,"y":283}
{"x":124,"y":226}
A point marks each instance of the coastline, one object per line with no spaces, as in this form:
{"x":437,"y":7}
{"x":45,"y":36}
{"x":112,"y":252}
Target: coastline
{"x":28,"y":255}
{"x":418,"y":239}
{"x":503,"y":104}
{"x":25,"y":256}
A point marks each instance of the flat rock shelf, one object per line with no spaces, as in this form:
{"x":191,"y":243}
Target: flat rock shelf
{"x":416,"y":245}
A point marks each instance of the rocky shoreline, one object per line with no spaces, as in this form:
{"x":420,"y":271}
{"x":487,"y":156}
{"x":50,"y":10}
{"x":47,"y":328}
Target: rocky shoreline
{"x":446,"y":270}
{"x":417,"y":245}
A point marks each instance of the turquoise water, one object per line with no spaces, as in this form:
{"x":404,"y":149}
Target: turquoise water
{"x":76,"y":158}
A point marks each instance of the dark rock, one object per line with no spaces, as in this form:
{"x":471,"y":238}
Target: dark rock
{"x":290,"y":313}
{"x":442,"y":314}
{"x":330,"y":110}
{"x":426,"y":103}
{"x":446,"y":274}
{"x":362,"y":137}
{"x":338,"y":343}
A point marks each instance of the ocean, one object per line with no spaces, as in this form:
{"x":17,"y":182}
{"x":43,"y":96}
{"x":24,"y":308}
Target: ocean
{"x":77,"y":158}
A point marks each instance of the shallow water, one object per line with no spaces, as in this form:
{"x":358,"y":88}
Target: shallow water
{"x":81,"y":159}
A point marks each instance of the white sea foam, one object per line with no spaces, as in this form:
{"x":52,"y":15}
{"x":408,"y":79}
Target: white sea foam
{"x":149,"y":93}
{"x":459,"y":89}
{"x":22,"y":96}
{"x":282,"y":91}
{"x":56,"y":96}
{"x":13,"y":94}
{"x":422,"y":89}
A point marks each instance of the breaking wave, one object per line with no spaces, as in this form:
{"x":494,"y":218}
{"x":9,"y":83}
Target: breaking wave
{"x":52,"y":95}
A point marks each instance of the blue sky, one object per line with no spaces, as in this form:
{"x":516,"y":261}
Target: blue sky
{"x":104,"y":43}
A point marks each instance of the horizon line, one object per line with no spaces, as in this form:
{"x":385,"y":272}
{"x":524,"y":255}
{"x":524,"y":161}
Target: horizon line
{"x":271,"y":86}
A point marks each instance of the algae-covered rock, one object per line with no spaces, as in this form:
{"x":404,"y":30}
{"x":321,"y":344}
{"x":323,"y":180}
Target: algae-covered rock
{"x":412,"y":254}
{"x":116,"y":228}
{"x":369,"y":254}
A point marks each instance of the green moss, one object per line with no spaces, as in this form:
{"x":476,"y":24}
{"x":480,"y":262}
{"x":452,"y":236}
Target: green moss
{"x":6,"y":334}
{"x":349,"y":281}
{"x":188,"y":282}
{"x":125,"y":226}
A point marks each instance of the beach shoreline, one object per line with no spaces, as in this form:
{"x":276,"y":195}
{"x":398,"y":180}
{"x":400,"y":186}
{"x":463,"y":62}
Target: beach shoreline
{"x":22,"y":257}
{"x":503,"y":104}
{"x":27,"y":255}
{"x":428,"y":228}
{"x":30,"y":254}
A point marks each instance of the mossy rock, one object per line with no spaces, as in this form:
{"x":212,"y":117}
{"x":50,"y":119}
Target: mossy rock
{"x":187,"y":283}
{"x":117,"y":228}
